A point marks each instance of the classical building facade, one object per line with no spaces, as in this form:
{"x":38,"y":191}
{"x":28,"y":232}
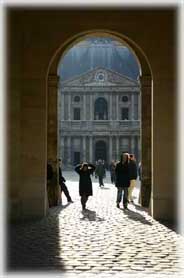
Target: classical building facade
{"x":99,"y":117}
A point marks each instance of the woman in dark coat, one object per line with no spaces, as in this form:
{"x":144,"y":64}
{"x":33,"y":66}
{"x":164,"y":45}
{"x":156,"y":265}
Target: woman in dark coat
{"x":85,"y":184}
{"x":122,"y":179}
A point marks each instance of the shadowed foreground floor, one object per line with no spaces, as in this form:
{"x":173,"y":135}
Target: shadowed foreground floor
{"x":104,"y":239}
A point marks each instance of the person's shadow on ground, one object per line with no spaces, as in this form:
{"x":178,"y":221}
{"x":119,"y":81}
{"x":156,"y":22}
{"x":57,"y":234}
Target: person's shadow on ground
{"x":136,"y":217}
{"x":91,"y":216}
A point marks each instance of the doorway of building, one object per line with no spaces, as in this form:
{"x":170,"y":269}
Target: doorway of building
{"x":77,"y":158}
{"x":100,"y":151}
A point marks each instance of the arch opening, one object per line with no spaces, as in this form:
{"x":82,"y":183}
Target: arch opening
{"x":145,"y":82}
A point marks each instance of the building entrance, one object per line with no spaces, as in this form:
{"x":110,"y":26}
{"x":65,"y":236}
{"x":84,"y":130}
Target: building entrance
{"x":77,"y":158}
{"x":100,"y":151}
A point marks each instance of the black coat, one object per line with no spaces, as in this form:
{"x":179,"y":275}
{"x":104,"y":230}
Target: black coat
{"x":133,"y":170}
{"x":122,"y":175}
{"x":61,"y":178}
{"x":85,"y":183}
{"x":100,"y":170}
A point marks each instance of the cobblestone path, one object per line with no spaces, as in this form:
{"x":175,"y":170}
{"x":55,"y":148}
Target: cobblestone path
{"x":104,"y":240}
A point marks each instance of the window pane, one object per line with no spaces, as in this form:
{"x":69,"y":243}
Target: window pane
{"x":76,"y":113}
{"x":101,"y":112}
{"x":124,"y":114}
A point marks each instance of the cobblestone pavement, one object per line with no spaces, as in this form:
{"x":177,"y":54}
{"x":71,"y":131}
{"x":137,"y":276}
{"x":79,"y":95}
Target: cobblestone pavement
{"x":104,"y":240}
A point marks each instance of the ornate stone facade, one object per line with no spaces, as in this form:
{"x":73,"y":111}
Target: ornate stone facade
{"x":99,"y":117}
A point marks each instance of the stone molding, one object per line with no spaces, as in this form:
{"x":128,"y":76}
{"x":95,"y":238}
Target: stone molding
{"x":53,"y":80}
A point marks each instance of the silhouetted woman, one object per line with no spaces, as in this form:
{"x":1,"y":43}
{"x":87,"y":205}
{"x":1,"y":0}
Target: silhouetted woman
{"x":85,"y":184}
{"x":123,"y":179}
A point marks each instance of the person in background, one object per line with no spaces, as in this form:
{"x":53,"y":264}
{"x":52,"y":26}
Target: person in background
{"x":100,"y":172}
{"x":62,"y":184}
{"x":122,"y":180}
{"x":133,"y":176}
{"x":52,"y":186}
{"x":112,"y":167}
{"x":85,"y":170}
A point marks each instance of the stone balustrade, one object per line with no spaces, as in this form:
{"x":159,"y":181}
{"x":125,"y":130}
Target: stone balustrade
{"x":97,"y":125}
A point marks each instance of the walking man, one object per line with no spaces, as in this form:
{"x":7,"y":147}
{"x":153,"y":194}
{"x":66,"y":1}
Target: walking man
{"x":100,"y":172}
{"x":122,"y":180}
{"x":112,"y":167}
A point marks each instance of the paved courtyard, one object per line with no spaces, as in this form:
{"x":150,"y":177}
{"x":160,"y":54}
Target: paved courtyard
{"x":104,"y":240}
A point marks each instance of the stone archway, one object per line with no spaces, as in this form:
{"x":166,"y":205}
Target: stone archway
{"x":146,"y":102}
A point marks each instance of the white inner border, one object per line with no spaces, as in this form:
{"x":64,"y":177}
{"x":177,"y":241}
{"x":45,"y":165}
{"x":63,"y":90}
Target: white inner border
{"x":181,"y":119}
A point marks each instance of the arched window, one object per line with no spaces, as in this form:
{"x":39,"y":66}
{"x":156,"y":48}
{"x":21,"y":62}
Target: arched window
{"x":101,"y":111}
{"x":76,"y":98}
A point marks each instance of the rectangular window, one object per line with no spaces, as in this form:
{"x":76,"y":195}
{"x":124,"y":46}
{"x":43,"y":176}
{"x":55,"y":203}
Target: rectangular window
{"x":124,"y":114}
{"x":76,"y":114}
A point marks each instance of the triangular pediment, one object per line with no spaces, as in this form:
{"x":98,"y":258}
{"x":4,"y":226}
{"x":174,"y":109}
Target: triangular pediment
{"x":100,"y":77}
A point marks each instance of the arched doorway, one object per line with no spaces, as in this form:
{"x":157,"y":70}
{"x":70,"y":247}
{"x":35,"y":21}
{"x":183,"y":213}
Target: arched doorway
{"x":101,"y":111}
{"x":146,"y":101}
{"x":100,"y":151}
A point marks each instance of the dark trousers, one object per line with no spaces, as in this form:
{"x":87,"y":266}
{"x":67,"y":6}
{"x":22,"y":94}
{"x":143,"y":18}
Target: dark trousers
{"x":125,"y":195}
{"x":84,"y":199}
{"x":100,"y":178}
{"x":66,"y":192}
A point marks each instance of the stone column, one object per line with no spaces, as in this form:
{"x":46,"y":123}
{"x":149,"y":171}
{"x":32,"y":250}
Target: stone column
{"x":84,"y":107}
{"x":91,"y":149}
{"x":84,"y":148}
{"x":132,"y":107}
{"x":146,"y":185}
{"x":61,"y":150}
{"x":132,"y":144}
{"x":137,"y":150}
{"x":91,"y":107}
{"x":117,"y":107}
{"x":52,"y":139}
{"x":139,"y":106}
{"x":110,"y":107}
{"x":69,"y":151}
{"x":69,"y":107}
{"x":62,"y":96}
{"x":117,"y":148}
{"x":110,"y":148}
